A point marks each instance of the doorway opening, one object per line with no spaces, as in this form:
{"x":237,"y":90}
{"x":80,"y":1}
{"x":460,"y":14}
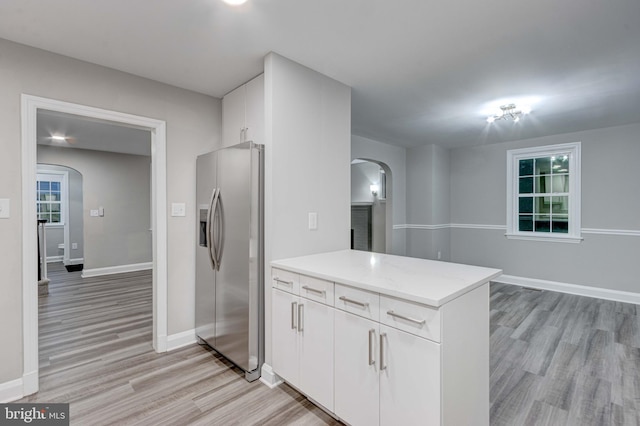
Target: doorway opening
{"x":31,"y":105}
{"x":371,"y":206}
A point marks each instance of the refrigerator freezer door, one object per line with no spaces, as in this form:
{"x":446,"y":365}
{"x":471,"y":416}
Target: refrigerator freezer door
{"x":234,"y":304}
{"x":205,"y":275}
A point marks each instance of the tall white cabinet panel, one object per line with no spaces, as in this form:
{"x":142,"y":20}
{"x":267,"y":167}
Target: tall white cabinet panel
{"x":356,"y":369}
{"x":243,"y":113}
{"x":409,"y":379}
{"x":254,"y":110}
{"x":284,"y":334}
{"x":316,"y":351}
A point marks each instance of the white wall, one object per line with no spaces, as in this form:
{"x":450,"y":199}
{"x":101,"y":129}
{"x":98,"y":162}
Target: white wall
{"x":395,"y":157}
{"x":121,"y":184}
{"x":307,"y":128}
{"x":610,"y":201}
{"x":193,"y":127}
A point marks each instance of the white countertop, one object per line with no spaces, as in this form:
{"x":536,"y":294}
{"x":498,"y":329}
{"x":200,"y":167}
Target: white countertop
{"x":424,"y":281}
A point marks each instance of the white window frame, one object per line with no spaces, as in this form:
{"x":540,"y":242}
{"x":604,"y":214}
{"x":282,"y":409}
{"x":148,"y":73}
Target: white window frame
{"x":63,"y":178}
{"x":513,"y":158}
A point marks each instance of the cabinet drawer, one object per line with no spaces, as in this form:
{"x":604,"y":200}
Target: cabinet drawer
{"x":359,"y":302}
{"x":285,"y":280}
{"x":316,"y":289}
{"x":414,"y":318}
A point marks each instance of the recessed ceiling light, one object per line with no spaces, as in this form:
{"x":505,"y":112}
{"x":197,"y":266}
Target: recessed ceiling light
{"x":58,"y":138}
{"x":235,"y":2}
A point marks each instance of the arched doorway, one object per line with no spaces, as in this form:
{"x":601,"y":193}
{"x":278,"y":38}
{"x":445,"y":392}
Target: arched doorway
{"x":371,"y":206}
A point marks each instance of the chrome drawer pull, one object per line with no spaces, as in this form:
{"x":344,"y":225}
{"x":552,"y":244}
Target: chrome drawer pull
{"x":383,"y":361}
{"x":320,"y":292}
{"x":293,"y":315}
{"x":372,"y":336}
{"x":301,"y":317}
{"x":282,"y":281}
{"x":417,"y":321}
{"x":355,"y":302}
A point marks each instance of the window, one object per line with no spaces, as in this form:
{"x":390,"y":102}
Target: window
{"x":50,"y":193}
{"x":543,"y":193}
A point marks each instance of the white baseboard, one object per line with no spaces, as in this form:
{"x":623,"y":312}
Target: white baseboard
{"x":96,"y":272}
{"x":579,"y":290}
{"x":76,"y":261}
{"x":52,"y":259}
{"x":268,"y":377}
{"x":11,"y":391}
{"x":179,"y":340}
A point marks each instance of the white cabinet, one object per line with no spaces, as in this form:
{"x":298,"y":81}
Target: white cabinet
{"x":356,"y":369}
{"x":409,"y":379}
{"x":302,"y":335}
{"x":384,"y":376}
{"x":243,"y":113}
{"x":375,"y":359}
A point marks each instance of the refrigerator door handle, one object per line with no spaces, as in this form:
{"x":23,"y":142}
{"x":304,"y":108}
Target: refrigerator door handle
{"x":216,"y":235}
{"x":213,"y":256}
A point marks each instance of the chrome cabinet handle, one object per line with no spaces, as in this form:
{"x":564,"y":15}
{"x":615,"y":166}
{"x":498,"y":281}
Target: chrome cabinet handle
{"x":282,"y":281}
{"x":355,"y":302}
{"x":372,"y":336}
{"x":293,"y":315}
{"x":383,"y":361}
{"x":313,"y":290}
{"x":301,"y":317}
{"x":416,"y":321}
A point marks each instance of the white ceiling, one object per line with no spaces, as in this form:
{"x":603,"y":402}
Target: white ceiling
{"x":87,"y":133}
{"x":421,"y":71}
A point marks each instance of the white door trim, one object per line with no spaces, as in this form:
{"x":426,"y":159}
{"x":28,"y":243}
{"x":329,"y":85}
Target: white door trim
{"x":30,"y":106}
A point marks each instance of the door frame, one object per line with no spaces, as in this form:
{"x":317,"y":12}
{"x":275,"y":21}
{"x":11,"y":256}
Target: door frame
{"x":29,"y":108}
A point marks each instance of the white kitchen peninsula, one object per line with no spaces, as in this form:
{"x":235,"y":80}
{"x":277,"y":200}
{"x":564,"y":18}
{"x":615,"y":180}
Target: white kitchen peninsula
{"x":378,"y":339}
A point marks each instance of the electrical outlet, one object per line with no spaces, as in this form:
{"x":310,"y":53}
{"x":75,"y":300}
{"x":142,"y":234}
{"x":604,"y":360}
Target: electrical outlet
{"x":439,"y":255}
{"x":74,"y":246}
{"x":313,"y":221}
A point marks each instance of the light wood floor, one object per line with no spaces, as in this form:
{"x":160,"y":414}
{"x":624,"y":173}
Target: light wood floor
{"x":556,"y":359}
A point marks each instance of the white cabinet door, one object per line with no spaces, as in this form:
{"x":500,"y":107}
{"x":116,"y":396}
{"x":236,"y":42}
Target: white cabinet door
{"x":284,"y":333}
{"x":409,"y":379}
{"x":254,"y":108}
{"x":233,"y":117}
{"x":356,"y":369}
{"x":316,"y":351}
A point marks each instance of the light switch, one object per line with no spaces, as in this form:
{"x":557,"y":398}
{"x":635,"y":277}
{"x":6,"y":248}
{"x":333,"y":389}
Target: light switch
{"x":94,"y":213}
{"x":5,"y":209}
{"x":313,"y":221}
{"x":178,"y":209}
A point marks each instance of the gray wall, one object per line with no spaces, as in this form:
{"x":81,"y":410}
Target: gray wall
{"x":307,"y":129}
{"x":193,"y":127}
{"x":428,"y":192}
{"x":74,"y":219}
{"x":121,"y":184}
{"x":396,"y":159}
{"x":610,"y":200}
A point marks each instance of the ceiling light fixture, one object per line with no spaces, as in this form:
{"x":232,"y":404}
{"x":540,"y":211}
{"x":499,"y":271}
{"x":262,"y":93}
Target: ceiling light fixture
{"x":235,"y":2}
{"x":509,"y":112}
{"x":59,"y":138}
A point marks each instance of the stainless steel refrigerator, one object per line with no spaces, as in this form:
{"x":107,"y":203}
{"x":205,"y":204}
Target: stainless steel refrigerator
{"x":230,"y":255}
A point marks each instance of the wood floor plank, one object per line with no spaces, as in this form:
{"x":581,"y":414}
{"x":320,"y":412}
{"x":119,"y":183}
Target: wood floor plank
{"x":556,"y":359}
